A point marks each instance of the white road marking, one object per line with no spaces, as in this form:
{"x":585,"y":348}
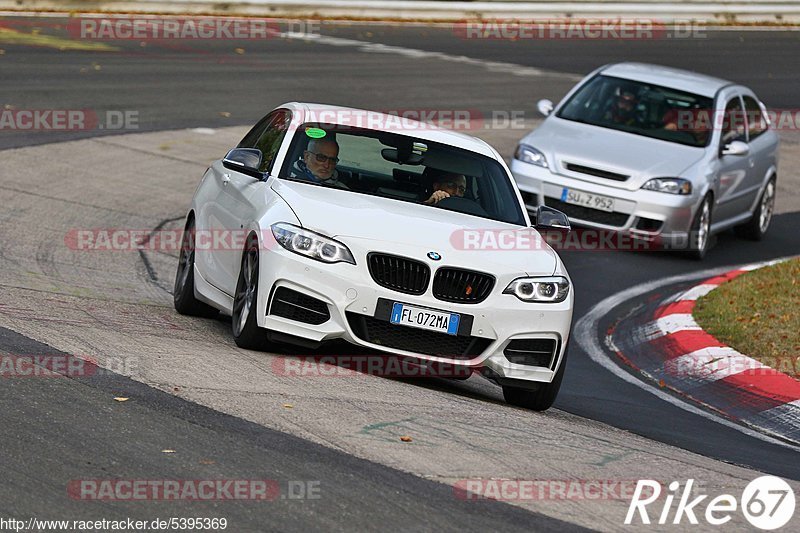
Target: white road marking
{"x":669,"y":324}
{"x":414,"y":53}
{"x":696,"y":292}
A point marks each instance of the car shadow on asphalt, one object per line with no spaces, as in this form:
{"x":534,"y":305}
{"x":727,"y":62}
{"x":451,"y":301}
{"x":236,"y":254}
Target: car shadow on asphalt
{"x":352,"y":358}
{"x":726,"y":248}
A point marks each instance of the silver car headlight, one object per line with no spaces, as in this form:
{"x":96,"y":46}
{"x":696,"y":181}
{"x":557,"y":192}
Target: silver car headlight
{"x":669,"y":185}
{"x":539,"y":289}
{"x":311,"y":244}
{"x":529,"y":154}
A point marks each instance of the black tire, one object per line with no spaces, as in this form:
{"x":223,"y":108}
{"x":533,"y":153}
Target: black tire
{"x":183,"y":292}
{"x":540,"y":399}
{"x":244,"y":324}
{"x":700,"y":233}
{"x":755,"y":228}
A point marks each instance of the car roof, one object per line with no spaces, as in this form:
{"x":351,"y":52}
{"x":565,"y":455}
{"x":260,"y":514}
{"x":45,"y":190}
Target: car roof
{"x":674,"y":78}
{"x":349,"y":116}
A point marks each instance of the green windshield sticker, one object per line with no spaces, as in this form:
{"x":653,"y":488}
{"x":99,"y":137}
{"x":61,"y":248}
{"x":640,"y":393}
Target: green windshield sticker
{"x":315,"y":133}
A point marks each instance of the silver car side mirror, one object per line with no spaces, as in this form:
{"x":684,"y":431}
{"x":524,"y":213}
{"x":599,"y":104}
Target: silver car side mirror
{"x":545,"y":107}
{"x":736,"y":148}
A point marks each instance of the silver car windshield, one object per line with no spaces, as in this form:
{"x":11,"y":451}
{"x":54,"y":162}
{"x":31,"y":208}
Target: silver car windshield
{"x":403,"y":168}
{"x":642,"y":109}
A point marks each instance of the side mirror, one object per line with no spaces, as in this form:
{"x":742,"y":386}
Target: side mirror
{"x":545,"y":107}
{"x":736,"y":148}
{"x":245,"y":160}
{"x":548,"y":218}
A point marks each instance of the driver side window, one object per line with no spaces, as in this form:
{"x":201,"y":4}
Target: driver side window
{"x":733,"y":123}
{"x":267,"y":136}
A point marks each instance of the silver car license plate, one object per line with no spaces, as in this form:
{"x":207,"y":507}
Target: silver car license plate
{"x":586,"y":199}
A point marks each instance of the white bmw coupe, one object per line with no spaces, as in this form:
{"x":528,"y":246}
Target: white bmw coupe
{"x":334,"y":223}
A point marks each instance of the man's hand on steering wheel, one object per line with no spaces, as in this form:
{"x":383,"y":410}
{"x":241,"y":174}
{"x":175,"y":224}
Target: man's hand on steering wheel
{"x":436,"y":197}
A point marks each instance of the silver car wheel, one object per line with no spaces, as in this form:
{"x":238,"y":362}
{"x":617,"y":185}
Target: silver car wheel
{"x":704,"y":226}
{"x":767,"y":206}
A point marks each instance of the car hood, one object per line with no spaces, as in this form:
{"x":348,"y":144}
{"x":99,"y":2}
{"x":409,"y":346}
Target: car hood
{"x":374,"y":223}
{"x":641,"y":158}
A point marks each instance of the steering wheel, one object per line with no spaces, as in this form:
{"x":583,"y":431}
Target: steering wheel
{"x":462,"y":205}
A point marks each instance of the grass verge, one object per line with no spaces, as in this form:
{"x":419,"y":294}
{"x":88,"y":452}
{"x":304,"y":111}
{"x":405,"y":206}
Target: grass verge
{"x":758,"y":314}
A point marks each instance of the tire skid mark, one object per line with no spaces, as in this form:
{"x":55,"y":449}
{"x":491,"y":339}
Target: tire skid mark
{"x":152,"y":275}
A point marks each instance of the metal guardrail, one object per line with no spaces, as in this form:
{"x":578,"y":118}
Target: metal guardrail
{"x":771,"y":11}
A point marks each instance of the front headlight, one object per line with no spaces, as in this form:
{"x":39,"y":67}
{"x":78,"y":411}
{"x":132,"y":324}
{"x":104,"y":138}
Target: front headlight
{"x":311,"y":244}
{"x":542,"y":289}
{"x":529,"y":154}
{"x":669,"y":185}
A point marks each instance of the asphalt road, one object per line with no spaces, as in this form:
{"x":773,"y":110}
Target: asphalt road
{"x":71,"y":429}
{"x":221,"y":83}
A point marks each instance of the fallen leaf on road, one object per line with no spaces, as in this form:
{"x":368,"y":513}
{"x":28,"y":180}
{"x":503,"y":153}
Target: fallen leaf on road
{"x":120,"y":399}
{"x":288,"y":405}
{"x":406,"y":438}
{"x":239,"y":51}
{"x":167,"y":451}
{"x":225,"y":114}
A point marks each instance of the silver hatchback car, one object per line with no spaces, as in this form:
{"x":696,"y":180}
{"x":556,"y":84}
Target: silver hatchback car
{"x":668,"y":155}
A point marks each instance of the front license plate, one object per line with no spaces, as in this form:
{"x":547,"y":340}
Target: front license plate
{"x":407,"y":315}
{"x":586,"y":199}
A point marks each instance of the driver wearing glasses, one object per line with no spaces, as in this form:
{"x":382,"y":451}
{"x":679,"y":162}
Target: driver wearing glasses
{"x":318,"y":163}
{"x":446,"y":185}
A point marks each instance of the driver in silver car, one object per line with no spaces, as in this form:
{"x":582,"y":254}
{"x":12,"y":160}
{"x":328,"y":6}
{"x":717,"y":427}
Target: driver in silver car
{"x":623,"y":107}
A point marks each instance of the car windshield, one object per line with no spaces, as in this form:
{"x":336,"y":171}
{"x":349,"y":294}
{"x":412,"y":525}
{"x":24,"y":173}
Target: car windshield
{"x":642,"y":109}
{"x":402,"y":168}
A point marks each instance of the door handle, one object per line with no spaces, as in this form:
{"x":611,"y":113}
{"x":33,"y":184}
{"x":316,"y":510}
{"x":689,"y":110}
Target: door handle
{"x":226,"y":178}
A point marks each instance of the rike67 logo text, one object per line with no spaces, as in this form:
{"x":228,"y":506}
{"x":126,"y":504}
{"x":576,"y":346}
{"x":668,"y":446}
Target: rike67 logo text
{"x":767,"y":503}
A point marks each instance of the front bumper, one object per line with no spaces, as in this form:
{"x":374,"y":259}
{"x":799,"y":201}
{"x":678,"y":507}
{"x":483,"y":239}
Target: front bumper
{"x":648,"y":215}
{"x":351,"y":297}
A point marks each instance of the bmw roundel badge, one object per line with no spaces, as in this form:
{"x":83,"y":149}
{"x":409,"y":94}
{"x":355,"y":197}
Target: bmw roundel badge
{"x":434,"y":256}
